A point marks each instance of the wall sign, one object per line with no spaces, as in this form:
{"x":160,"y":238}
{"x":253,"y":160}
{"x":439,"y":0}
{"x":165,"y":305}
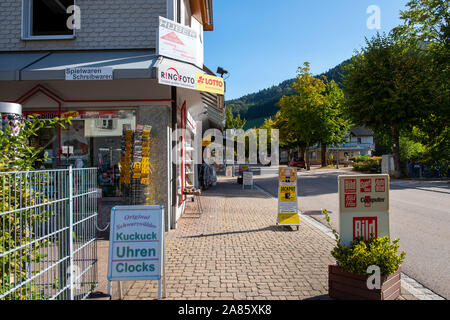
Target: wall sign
{"x":208,"y":83}
{"x":179,"y":42}
{"x":363,"y":206}
{"x":177,"y":74}
{"x":97,"y":73}
{"x":136,"y":249}
{"x":287,"y":197}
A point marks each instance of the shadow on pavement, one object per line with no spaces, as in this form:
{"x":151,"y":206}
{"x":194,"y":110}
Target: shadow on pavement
{"x":270,"y":228}
{"x":321,"y":297}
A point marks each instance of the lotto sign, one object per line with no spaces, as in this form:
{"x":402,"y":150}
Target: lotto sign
{"x":288,"y":194}
{"x":136,"y":243}
{"x":363,"y":207}
{"x":210,"y":83}
{"x":287,"y":197}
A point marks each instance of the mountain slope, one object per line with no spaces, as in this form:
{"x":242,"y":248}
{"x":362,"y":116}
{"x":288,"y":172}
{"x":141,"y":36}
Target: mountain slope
{"x":258,"y":106}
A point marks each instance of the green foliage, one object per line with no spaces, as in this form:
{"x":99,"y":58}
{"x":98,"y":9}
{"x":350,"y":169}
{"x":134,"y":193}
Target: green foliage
{"x":232,"y":122}
{"x":411,"y":150}
{"x":426,"y":26}
{"x":16,"y":194}
{"x":361,"y":159}
{"x":377,"y":251}
{"x":388,"y":86}
{"x":314,"y":114}
{"x":370,"y":165}
{"x":301,"y":114}
{"x":360,"y":255}
{"x":16,"y":153}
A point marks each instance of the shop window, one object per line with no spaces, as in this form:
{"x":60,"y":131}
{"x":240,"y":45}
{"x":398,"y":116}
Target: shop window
{"x":46,"y":19}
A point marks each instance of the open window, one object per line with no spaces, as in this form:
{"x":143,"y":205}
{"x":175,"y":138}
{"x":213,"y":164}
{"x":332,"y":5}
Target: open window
{"x":47,"y":19}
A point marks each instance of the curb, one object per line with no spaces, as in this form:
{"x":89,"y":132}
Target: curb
{"x":412,"y":286}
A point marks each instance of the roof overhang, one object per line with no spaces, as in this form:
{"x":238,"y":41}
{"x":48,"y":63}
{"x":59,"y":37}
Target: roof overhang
{"x":125,"y":64}
{"x":202,"y":10}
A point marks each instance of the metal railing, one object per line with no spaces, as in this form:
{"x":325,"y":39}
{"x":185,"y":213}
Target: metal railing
{"x":48,"y":234}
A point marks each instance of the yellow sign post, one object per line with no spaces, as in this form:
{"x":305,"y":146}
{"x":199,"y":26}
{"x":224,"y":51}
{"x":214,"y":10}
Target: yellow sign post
{"x":287,"y":198}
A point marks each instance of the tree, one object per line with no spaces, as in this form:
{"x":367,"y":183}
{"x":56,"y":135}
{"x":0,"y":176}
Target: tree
{"x":426,"y":26}
{"x":231,"y":122}
{"x":301,"y":114}
{"x":335,"y":125}
{"x":387,"y":88}
{"x":314,"y":115}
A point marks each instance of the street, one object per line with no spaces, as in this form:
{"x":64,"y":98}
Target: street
{"x":419,"y":216}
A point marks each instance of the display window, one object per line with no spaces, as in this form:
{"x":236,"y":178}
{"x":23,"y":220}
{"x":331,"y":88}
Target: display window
{"x":93,"y":139}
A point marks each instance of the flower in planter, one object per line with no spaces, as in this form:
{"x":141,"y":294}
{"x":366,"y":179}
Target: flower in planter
{"x":360,"y":255}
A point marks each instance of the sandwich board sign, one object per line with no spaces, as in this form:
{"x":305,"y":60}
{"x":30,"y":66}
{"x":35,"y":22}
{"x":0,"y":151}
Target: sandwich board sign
{"x":136,"y":244}
{"x":363,"y":206}
{"x":287,"y":198}
{"x":247,"y":179}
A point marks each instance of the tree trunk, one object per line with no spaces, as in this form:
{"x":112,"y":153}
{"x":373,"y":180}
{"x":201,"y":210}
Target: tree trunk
{"x":302,"y":152}
{"x":323,"y":154}
{"x":396,"y":150}
{"x":307,"y":157}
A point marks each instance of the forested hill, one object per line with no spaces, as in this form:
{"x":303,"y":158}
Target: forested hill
{"x":258,"y":106}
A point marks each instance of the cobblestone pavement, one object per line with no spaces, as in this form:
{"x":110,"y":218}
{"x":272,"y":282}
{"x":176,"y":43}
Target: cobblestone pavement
{"x":234,"y":250}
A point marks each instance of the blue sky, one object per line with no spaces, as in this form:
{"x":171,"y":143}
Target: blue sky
{"x":263,"y":42}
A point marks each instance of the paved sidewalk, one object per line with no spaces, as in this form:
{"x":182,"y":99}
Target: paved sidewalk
{"x":234,"y":250}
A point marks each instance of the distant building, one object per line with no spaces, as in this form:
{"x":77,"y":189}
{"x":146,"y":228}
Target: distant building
{"x":359,"y":142}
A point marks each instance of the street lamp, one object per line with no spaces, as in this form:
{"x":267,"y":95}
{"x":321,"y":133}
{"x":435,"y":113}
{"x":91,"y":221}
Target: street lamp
{"x":221,"y":71}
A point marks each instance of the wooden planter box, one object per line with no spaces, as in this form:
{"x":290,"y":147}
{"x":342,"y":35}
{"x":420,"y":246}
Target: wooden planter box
{"x":343,"y":285}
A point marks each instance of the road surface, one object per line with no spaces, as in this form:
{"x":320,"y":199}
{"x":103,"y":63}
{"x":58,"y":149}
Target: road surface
{"x":419,"y":217}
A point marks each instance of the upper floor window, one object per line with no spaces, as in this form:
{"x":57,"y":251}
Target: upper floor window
{"x":47,"y":19}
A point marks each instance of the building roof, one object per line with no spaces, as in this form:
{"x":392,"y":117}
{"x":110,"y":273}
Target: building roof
{"x":361,"y":132}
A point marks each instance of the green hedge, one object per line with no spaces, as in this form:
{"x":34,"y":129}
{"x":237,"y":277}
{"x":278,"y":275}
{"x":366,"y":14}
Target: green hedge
{"x":370,"y":165}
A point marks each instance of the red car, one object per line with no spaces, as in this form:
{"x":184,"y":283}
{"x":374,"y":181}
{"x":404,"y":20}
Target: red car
{"x":300,"y":163}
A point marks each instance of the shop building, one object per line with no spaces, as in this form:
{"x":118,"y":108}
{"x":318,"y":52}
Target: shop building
{"x":48,"y":69}
{"x":359,"y":141}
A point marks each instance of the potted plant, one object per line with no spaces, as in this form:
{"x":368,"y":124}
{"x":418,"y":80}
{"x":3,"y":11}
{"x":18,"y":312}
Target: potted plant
{"x":365,"y":270}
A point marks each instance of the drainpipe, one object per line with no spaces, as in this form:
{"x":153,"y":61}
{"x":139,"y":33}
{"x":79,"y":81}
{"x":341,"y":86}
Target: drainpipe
{"x":173,"y":213}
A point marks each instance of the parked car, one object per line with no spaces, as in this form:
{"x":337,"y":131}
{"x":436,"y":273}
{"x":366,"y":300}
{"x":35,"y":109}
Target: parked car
{"x":299,"y":163}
